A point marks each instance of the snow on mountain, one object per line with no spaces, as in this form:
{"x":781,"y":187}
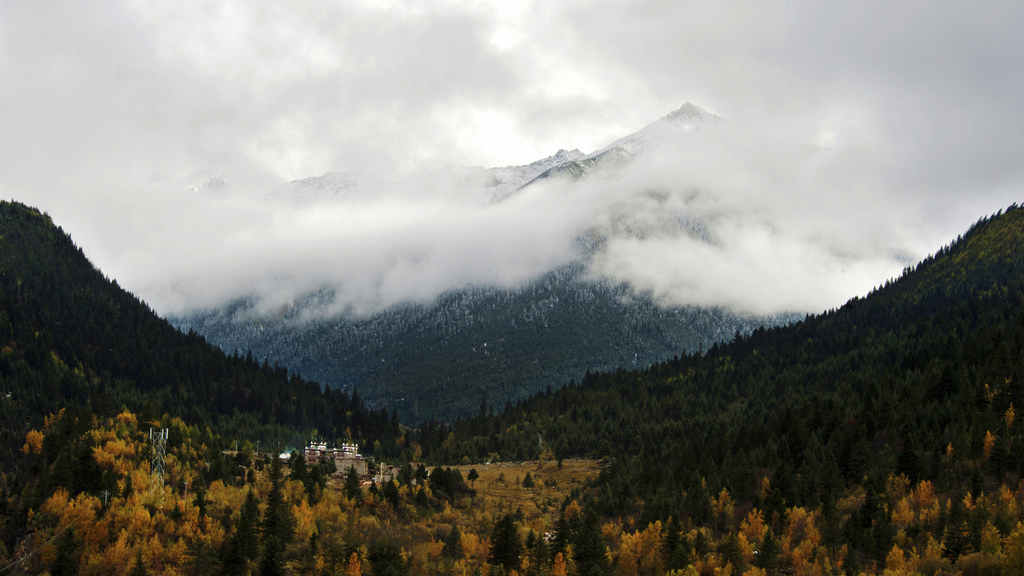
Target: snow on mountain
{"x":615,"y":156}
{"x":331,"y":187}
{"x":511,"y":178}
{"x":687,"y":118}
{"x":481,"y":186}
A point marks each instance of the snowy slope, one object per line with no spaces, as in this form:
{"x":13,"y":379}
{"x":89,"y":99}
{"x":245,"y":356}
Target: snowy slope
{"x":609,"y":160}
{"x":478,"y":185}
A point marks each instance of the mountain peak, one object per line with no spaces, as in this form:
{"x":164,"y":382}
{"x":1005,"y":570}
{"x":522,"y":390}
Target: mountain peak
{"x":690,"y":114}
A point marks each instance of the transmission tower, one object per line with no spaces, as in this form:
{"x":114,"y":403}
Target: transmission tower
{"x":159,"y":441}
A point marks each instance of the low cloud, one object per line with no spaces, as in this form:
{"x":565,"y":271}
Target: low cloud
{"x":856,"y":140}
{"x":722,"y":216}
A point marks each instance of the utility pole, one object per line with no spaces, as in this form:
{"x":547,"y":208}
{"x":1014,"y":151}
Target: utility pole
{"x":159,"y":441}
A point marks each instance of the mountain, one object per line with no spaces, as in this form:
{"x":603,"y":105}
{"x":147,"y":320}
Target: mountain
{"x":611,"y":159}
{"x":439,"y":359}
{"x":74,"y":340}
{"x":470,"y":184}
{"x":477,"y":185}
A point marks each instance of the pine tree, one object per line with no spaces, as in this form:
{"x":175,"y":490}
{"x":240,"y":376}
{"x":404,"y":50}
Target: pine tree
{"x":453,"y":545}
{"x":66,"y":562}
{"x":954,"y":543}
{"x":139,"y":566}
{"x":506,"y":547}
{"x":352,"y":485}
{"x":590,"y":549}
{"x":537,"y":554}
{"x":278,"y":525}
{"x":768,"y":551}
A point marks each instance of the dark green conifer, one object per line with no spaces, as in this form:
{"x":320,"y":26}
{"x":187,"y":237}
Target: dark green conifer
{"x":506,"y":547}
{"x":353,"y":490}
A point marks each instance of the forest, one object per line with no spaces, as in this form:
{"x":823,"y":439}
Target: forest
{"x":877,"y":438}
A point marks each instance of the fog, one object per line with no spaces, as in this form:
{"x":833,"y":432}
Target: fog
{"x":722,"y":216}
{"x":855,"y":140}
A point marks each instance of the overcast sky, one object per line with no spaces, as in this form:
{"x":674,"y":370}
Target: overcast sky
{"x":110,"y":113}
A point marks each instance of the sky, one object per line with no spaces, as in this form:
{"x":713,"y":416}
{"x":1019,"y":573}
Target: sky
{"x":856,"y":138}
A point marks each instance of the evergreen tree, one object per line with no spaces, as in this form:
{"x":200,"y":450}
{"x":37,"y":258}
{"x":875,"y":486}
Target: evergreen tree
{"x":675,"y":548}
{"x":730,"y":553}
{"x":353,"y":490}
{"x":421,"y":474}
{"x":201,"y":558}
{"x":537,"y":555}
{"x":506,"y":547}
{"x":386,"y":559}
{"x":768,"y":551}
{"x":278,"y":525}
{"x":272,"y":562}
{"x":954,"y":543}
{"x":244,"y":544}
{"x":560,"y":543}
{"x":66,"y":562}
{"x":453,"y":545}
{"x":139,"y":566}
{"x":589,"y":548}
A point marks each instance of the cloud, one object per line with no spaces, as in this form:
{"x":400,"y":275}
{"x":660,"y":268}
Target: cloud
{"x":856,"y":136}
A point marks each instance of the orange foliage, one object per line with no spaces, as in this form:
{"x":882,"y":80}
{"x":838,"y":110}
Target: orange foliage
{"x":990,"y":441}
{"x":628,"y":562}
{"x":753,"y":526}
{"x":649,"y":549}
{"x":572,"y":511}
{"x":723,"y":506}
{"x":127,"y":418}
{"x":33,"y":442}
{"x":1013,"y":561}
{"x":903,"y":514}
{"x":924,"y":494}
{"x":558,"y":568}
{"x":353,"y":567}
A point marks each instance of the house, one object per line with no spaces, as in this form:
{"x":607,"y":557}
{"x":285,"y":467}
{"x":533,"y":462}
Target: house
{"x":346,"y":456}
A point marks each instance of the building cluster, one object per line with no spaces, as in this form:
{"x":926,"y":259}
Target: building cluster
{"x":345,"y":456}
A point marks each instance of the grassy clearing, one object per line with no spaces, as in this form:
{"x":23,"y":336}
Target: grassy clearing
{"x":500,"y":490}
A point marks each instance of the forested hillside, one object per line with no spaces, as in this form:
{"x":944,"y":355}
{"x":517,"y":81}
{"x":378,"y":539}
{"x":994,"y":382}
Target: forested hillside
{"x":879,"y":438}
{"x":914,"y":387}
{"x":72,"y":339}
{"x":439,"y":359}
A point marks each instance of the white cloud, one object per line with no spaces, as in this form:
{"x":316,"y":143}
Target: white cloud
{"x":112,"y":111}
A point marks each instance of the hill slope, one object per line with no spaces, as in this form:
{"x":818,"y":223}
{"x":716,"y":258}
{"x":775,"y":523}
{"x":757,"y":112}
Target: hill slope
{"x":439,"y":360}
{"x":921,"y":378}
{"x":73,"y":339}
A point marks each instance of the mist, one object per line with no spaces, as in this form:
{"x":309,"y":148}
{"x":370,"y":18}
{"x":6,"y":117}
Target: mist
{"x":724,"y":216}
{"x":856,"y":139}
